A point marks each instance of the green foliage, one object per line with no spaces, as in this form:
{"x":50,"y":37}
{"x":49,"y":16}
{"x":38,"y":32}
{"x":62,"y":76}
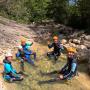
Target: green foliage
{"x":25,"y":10}
{"x":36,"y":9}
{"x":75,"y":14}
{"x":84,"y":8}
{"x":57,"y":10}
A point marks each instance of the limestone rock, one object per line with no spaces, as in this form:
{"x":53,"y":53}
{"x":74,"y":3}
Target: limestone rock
{"x":82,"y":47}
{"x":76,"y":41}
{"x":87,"y":43}
{"x":87,"y":37}
{"x":83,"y":55}
{"x":64,"y":41}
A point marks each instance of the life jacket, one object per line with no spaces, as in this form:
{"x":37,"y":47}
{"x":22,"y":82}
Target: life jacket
{"x":24,"y":47}
{"x":6,"y":62}
{"x":27,"y":44}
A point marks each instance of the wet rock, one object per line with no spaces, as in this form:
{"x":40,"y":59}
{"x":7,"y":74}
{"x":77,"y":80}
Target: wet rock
{"x":83,"y":55}
{"x":82,"y":47}
{"x":72,"y":44}
{"x":87,"y":44}
{"x":87,"y":37}
{"x":76,"y":41}
{"x":64,"y":41}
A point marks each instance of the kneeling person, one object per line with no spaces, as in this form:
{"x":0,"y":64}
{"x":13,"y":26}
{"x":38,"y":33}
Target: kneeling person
{"x":57,"y":48}
{"x":24,"y":54}
{"x":25,"y":45}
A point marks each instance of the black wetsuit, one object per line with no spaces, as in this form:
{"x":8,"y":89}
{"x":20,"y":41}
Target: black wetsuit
{"x":70,"y":69}
{"x":57,"y":50}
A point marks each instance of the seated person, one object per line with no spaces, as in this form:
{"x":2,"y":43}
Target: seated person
{"x":57,"y":48}
{"x":25,"y":44}
{"x":24,"y":55}
{"x":10,"y":73}
{"x":70,"y":69}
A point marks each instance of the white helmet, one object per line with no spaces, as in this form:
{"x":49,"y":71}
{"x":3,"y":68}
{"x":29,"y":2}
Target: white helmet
{"x":8,"y":54}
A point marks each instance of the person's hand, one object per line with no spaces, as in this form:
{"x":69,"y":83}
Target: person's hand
{"x":61,"y":76}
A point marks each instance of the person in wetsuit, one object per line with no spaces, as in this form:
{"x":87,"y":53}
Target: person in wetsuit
{"x":70,"y":69}
{"x":57,"y":48}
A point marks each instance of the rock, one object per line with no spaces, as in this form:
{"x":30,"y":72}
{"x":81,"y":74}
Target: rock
{"x":64,"y":41}
{"x":72,"y":44}
{"x":67,"y":45}
{"x":89,"y":66}
{"x":83,"y":55}
{"x":82,"y":47}
{"x":87,"y":44}
{"x":87,"y":37}
{"x":76,"y":41}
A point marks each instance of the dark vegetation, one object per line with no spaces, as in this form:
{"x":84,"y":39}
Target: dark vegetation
{"x":74,"y":13}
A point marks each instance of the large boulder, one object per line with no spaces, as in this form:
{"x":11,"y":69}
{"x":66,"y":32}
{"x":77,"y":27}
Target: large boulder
{"x":87,"y":37}
{"x":72,"y":44}
{"x":82,"y":47}
{"x":87,"y":44}
{"x":84,"y":57}
{"x":76,"y":41}
{"x":64,"y":41}
{"x":89,"y":66}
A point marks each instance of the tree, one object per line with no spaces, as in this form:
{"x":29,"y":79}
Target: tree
{"x":36,"y":9}
{"x":57,"y":10}
{"x":74,"y":15}
{"x":84,"y":8}
{"x":25,"y":10}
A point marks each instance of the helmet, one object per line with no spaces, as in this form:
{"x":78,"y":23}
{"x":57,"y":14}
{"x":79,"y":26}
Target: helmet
{"x":55,"y":38}
{"x":71,"y":49}
{"x":8,"y":54}
{"x":19,"y":47}
{"x":23,"y":40}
